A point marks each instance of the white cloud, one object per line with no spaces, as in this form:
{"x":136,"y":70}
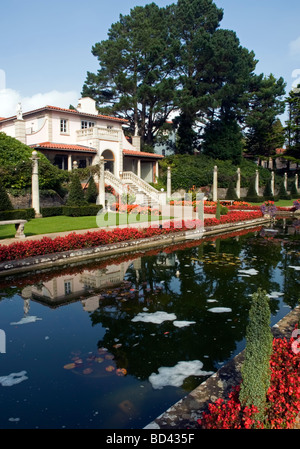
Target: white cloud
{"x":294,"y":47}
{"x":9,"y":99}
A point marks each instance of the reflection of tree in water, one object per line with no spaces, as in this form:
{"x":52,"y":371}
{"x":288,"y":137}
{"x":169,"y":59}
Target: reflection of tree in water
{"x":147,"y":346}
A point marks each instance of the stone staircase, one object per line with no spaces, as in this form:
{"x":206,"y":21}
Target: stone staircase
{"x":145,"y":194}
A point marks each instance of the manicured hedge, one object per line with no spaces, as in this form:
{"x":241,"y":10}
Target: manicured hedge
{"x":71,"y":211}
{"x":17,"y":214}
{"x":53,"y":211}
{"x":81,"y":211}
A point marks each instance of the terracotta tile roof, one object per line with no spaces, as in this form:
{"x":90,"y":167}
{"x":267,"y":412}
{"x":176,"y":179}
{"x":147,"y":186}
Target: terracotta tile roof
{"x":141,"y":154}
{"x":74,"y":111}
{"x":69,"y":111}
{"x":63,"y":146}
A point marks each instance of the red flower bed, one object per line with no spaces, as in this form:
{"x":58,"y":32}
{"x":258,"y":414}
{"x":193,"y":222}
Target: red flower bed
{"x":73,"y":241}
{"x":232,"y":217}
{"x":283,"y":397}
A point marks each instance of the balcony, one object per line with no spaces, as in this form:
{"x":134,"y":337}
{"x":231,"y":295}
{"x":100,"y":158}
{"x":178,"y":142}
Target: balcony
{"x":97,"y":132}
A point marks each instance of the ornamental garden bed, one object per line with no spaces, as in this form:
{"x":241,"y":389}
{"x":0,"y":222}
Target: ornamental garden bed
{"x":75,"y":241}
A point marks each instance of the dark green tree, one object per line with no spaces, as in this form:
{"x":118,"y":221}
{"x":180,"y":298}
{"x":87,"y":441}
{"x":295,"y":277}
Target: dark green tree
{"x":16,"y":167}
{"x":252,"y":195}
{"x":213,"y":70}
{"x":223,"y":140}
{"x":91,"y":192}
{"x":293,"y":124}
{"x":76,"y":194}
{"x":265,"y":102}
{"x":282,"y":193}
{"x":255,"y":370}
{"x":135,"y":77}
{"x":5,"y":203}
{"x":231,"y":193}
{"x":268,"y":195}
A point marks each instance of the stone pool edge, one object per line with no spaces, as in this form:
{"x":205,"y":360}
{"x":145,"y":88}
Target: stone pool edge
{"x":185,"y":413}
{"x":58,"y":259}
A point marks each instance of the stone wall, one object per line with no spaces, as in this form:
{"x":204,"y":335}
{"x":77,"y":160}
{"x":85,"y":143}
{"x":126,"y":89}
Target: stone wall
{"x":46,"y":200}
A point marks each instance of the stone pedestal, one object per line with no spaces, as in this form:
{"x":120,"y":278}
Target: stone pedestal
{"x":257,"y":182}
{"x":169,"y":183}
{"x":35,"y":185}
{"x":101,"y":198}
{"x":272,"y":183}
{"x":20,"y":131}
{"x":215,"y":184}
{"x":285,"y":181}
{"x":238,"y":183}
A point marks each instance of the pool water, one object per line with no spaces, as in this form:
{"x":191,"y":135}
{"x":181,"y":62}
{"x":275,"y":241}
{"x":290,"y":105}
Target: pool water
{"x":112,"y":344}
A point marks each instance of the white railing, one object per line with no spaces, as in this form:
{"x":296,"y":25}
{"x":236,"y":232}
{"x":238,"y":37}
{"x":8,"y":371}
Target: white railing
{"x":97,"y":132}
{"x":142,"y":185}
{"x":111,"y":180}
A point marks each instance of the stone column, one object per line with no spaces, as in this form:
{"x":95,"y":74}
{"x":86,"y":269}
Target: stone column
{"x":257,"y":182}
{"x":101,"y":197}
{"x":20,"y":131}
{"x":238,"y":183}
{"x":156,"y":170}
{"x":215,"y":184}
{"x":272,"y":183}
{"x":169,"y":183}
{"x":296,"y":181}
{"x":35,"y":185}
{"x":139,"y":168}
{"x":69,"y":162}
{"x":285,"y":181}
{"x":200,"y":201}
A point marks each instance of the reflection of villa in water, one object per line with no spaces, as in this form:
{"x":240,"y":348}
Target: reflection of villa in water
{"x":67,"y":288}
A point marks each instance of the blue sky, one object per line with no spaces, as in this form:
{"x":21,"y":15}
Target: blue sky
{"x":45,"y":47}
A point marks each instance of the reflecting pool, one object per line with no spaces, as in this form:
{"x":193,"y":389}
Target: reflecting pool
{"x":112,"y":344}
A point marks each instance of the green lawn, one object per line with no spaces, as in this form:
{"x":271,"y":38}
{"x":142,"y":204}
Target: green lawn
{"x":49,"y":225}
{"x":280,"y":203}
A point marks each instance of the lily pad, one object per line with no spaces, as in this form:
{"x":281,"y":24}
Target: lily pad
{"x":70,"y":366}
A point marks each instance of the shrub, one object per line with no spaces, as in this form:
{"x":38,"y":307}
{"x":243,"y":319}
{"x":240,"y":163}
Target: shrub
{"x":231,"y":193}
{"x":76,"y":195}
{"x":268,"y":195}
{"x":255,"y":370}
{"x":282,"y":194}
{"x":52,"y":211}
{"x":293,"y":191}
{"x":17,"y":214}
{"x":5,"y":203}
{"x":283,"y":396}
{"x":218,"y":210}
{"x":91,"y":192}
{"x":252,"y":195}
{"x":81,"y":211}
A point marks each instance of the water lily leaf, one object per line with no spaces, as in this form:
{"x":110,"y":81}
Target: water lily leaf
{"x":110,"y":368}
{"x":121,"y":372}
{"x":87,"y":371}
{"x":69,"y":366}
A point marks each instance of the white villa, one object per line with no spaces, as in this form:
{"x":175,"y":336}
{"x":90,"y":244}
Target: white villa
{"x":79,"y":137}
